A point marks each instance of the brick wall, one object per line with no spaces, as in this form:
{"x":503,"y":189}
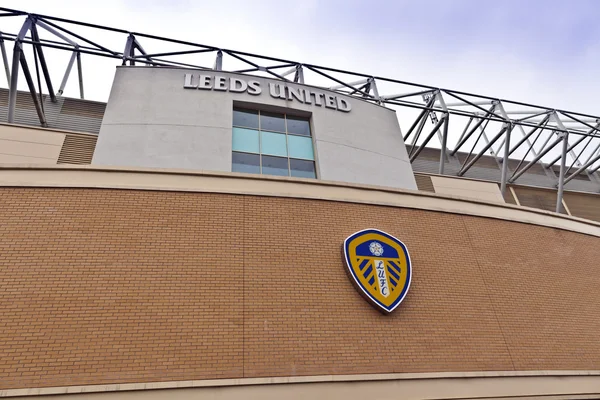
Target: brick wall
{"x":114,"y":286}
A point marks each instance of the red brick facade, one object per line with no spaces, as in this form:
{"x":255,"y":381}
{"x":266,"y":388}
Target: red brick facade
{"x":114,"y":286}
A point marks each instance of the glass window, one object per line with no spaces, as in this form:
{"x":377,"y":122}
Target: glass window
{"x":245,"y":140}
{"x":274,"y":166}
{"x":298,"y":126}
{"x":273,"y":144}
{"x":245,"y":118}
{"x":302,"y":168}
{"x":272,"y":122}
{"x":248,"y":163}
{"x":301,"y":147}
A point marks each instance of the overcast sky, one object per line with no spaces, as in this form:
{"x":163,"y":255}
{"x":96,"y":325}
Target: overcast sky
{"x":544,"y":51}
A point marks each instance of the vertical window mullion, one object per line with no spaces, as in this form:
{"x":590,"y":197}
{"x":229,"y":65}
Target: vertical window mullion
{"x":259,"y":146}
{"x":287,"y":145}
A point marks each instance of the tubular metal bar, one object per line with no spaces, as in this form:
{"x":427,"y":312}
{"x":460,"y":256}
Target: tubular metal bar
{"x":531,"y":149}
{"x":361,"y":82}
{"x":40,"y":53}
{"x":299,"y":75}
{"x":427,"y":139}
{"x":576,"y":158}
{"x":173,"y":53}
{"x":334,"y":79}
{"x":475,"y":105}
{"x":537,"y":158}
{"x":43,"y":25}
{"x":39,"y":78}
{"x":137,"y":45}
{"x":422,"y":122}
{"x":80,"y":75}
{"x":531,"y":116}
{"x":444,"y":144}
{"x":594,"y":169}
{"x":531,"y":132}
{"x":505,"y":160}
{"x":462,"y":135}
{"x":45,"y":21}
{"x":400,"y":96}
{"x":421,"y":115}
{"x":561,"y":177}
{"x":468,"y":135}
{"x":63,"y":83}
{"x":482,"y":134}
{"x":583,"y":168}
{"x":4,"y":58}
{"x":254,"y":65}
{"x":218,"y":66}
{"x":482,"y":152}
{"x":571,"y":147}
{"x":375,"y":90}
{"x":356,"y":74}
{"x":595,"y":152}
{"x":17,"y":52}
{"x":128,"y":52}
{"x":31,"y":86}
{"x":12,"y":89}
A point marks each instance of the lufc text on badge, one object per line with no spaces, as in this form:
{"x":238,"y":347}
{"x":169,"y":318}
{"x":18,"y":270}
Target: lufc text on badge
{"x":379,"y":267}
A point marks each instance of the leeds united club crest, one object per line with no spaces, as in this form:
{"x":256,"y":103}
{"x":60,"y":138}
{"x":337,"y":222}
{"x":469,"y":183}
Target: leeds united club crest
{"x":379,"y":266}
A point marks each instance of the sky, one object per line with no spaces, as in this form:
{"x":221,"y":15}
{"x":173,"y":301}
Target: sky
{"x":542,"y":52}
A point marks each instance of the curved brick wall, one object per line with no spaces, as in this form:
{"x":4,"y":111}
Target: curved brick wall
{"x":113,"y":286}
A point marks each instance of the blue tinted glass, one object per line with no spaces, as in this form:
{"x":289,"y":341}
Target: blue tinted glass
{"x":298,"y":126}
{"x":248,"y":163}
{"x":301,"y":147}
{"x":272,"y":122}
{"x":245,"y":140}
{"x":274,"y":166}
{"x":245,"y":118}
{"x":273,"y":144}
{"x":302,"y":168}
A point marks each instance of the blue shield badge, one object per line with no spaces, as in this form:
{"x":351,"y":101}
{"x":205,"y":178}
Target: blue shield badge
{"x":379,"y":266}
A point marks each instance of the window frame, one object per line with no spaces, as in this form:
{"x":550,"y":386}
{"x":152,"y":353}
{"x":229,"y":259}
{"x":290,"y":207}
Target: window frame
{"x":286,"y":133}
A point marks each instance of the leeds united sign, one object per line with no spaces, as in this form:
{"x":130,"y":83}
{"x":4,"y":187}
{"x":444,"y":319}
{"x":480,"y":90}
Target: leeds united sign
{"x":276,"y":90}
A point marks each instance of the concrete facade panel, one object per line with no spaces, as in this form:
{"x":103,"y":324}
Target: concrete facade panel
{"x":156,"y":97}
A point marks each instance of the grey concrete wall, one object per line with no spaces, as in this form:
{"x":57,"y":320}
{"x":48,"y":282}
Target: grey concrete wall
{"x":152,"y":121}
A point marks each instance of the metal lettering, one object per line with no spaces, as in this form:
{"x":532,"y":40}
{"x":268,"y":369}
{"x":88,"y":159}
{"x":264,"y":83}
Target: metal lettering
{"x":298,"y":94}
{"x":254,"y":88}
{"x":318,"y":97}
{"x":277,"y":93}
{"x":205,"y":82}
{"x":307,"y":96}
{"x":237,"y":85}
{"x":343,"y":105}
{"x":220,"y":83}
{"x":276,"y":90}
{"x":188,"y":82}
{"x":330,"y":101}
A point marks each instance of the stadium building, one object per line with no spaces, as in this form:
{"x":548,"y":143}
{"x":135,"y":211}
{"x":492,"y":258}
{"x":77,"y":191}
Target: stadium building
{"x":230,"y":225}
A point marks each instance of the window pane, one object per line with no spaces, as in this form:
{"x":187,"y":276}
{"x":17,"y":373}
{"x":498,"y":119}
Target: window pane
{"x":298,"y":126}
{"x":301,"y":147}
{"x":245,"y":140}
{"x":273,"y":144}
{"x":302,"y":169}
{"x":272,"y":122}
{"x":245,"y":118}
{"x":248,"y":163}
{"x":274,"y":166}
